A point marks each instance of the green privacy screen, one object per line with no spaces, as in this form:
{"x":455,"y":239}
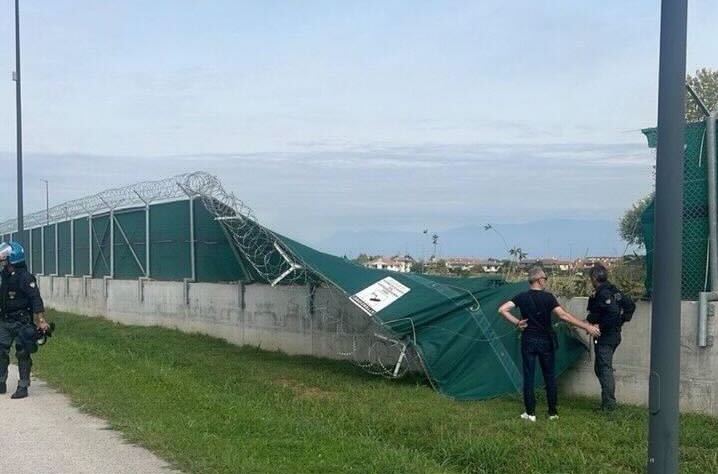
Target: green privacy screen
{"x":217,"y":260}
{"x":81,"y":255}
{"x":36,"y":251}
{"x":49,"y":265}
{"x":116,"y":246}
{"x":468,"y":350}
{"x":169,"y":238}
{"x":64,"y":248}
{"x":129,"y":243}
{"x":694,"y":271}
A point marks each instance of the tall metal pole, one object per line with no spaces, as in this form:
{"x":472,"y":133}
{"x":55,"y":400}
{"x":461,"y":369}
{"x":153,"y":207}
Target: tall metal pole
{"x":47,"y":201}
{"x":18,"y":102}
{"x":666,"y":309}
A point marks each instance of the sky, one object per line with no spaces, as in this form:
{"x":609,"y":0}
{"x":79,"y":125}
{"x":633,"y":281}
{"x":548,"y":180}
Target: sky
{"x":329,"y":117}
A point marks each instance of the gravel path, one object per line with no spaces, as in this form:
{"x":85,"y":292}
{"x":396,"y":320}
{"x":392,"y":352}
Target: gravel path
{"x":45,"y":434}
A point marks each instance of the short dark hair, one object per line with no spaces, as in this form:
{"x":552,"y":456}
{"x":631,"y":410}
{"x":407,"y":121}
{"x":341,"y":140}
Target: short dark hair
{"x":599,"y":273}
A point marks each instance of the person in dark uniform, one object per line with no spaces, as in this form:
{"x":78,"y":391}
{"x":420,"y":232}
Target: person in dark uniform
{"x":609,"y":308}
{"x":539,"y":339}
{"x":21,"y":314}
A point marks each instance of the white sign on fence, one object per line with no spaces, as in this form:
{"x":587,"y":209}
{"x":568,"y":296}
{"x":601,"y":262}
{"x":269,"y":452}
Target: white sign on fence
{"x":378,"y":296}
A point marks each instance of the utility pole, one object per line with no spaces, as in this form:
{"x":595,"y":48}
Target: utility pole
{"x":666,"y":309}
{"x":18,"y":126}
{"x":47,"y":201}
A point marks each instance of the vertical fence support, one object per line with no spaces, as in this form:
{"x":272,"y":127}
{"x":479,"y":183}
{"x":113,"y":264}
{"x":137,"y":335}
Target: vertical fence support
{"x":72,"y":247}
{"x":29,"y":252}
{"x":57,"y":259}
{"x":42,"y":248}
{"x":192,"y":250}
{"x":90,"y":263}
{"x":147,"y":241}
{"x":112,"y":243}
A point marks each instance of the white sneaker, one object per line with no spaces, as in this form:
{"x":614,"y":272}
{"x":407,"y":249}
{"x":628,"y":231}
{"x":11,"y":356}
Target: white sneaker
{"x":526,"y":416}
{"x":553,"y":417}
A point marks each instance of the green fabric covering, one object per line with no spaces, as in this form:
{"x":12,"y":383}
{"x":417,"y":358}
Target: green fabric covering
{"x":468,"y":349}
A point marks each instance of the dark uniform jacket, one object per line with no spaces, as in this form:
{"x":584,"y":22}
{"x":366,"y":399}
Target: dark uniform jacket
{"x":19,"y":295}
{"x":604,"y":308}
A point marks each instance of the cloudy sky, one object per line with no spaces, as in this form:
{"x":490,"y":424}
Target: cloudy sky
{"x":338,"y":116}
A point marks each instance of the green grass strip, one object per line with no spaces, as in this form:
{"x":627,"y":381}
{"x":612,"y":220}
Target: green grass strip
{"x":207,"y":406}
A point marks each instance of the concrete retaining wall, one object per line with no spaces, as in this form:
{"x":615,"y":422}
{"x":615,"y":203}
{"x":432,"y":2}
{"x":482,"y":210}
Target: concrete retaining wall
{"x":271,"y":318}
{"x":699,"y":365}
{"x":282,"y":318}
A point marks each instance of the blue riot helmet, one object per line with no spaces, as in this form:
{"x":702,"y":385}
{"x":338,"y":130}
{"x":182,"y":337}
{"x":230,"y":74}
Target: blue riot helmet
{"x":18,"y":253}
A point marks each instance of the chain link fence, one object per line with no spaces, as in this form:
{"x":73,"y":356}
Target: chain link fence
{"x":694,"y":271}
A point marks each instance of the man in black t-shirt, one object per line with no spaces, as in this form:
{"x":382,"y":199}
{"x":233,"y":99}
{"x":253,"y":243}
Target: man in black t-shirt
{"x":537,"y":341}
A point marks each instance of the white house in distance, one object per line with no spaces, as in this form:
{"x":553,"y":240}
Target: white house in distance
{"x":491,"y":265}
{"x":394,"y":264}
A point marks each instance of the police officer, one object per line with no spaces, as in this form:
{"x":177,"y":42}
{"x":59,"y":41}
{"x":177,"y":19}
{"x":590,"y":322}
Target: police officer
{"x":606,"y":308}
{"x":21,"y":312}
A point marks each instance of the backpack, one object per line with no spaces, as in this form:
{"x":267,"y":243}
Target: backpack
{"x":626,"y":305}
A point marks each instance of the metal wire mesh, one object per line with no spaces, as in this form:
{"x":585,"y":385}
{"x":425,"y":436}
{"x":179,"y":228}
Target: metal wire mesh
{"x":694,"y":271}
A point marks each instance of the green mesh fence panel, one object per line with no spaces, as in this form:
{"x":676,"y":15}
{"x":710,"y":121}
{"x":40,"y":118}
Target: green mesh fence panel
{"x":100,"y":246}
{"x":169,"y":241}
{"x":64,"y":249}
{"x":694,"y":271}
{"x":82,"y":246}
{"x":216,"y":260}
{"x":49,"y":264}
{"x":129,"y":243}
{"x":36,"y":251}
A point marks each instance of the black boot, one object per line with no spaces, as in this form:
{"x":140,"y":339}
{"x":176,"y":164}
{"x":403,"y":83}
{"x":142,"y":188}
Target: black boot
{"x":3,"y":387}
{"x":21,"y":392}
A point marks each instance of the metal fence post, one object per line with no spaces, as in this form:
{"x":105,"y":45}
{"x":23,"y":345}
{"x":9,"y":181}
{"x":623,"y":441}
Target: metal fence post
{"x":72,"y":247}
{"x":29,"y":252}
{"x":112,"y":243}
{"x":147,"y":241}
{"x":57,"y":257}
{"x":42,"y":248}
{"x":90,"y":263}
{"x":664,"y":382}
{"x":193,"y":259}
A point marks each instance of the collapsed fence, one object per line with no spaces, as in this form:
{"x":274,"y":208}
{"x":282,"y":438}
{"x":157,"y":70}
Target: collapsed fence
{"x":189,"y":228}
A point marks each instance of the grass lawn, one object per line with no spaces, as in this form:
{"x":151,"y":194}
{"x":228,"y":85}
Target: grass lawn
{"x":209,"y":407}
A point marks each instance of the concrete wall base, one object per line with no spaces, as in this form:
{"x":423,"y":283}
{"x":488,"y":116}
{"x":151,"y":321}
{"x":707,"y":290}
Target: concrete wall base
{"x":281,"y":318}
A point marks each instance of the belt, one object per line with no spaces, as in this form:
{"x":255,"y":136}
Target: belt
{"x":16,"y":315}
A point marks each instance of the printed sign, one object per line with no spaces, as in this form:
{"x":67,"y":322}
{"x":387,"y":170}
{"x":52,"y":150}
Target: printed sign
{"x":378,"y":296}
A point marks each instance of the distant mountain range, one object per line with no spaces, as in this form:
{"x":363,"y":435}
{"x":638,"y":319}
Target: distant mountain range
{"x":561,"y":238}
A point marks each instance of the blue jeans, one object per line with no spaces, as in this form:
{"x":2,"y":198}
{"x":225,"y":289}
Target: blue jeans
{"x":538,"y":347}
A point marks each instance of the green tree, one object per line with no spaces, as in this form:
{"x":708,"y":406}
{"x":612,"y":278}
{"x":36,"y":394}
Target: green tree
{"x":629,"y":226}
{"x":705,"y":83}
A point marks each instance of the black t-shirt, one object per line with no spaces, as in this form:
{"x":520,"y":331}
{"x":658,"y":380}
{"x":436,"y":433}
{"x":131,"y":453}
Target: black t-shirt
{"x":536,"y":306}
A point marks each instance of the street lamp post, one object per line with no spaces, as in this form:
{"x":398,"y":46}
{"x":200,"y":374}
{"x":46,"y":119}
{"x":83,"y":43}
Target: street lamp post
{"x":18,"y":104}
{"x":666,"y":309}
{"x":47,"y":201}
